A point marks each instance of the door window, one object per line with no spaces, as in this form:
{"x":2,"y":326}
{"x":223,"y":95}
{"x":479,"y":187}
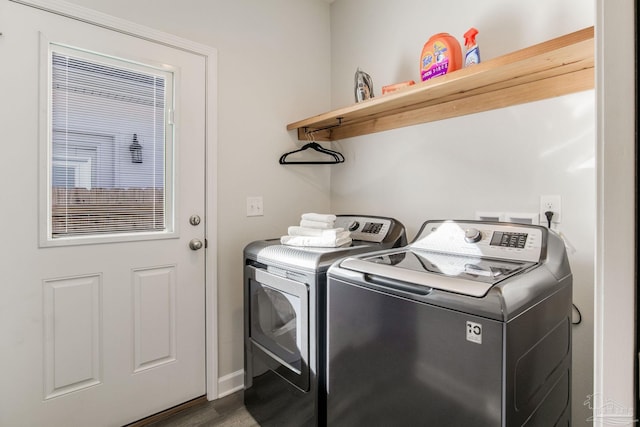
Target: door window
{"x":109,"y":153}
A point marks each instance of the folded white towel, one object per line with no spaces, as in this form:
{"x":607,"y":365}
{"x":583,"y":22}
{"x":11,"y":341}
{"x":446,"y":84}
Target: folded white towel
{"x":317,"y":242}
{"x":296,"y":230}
{"x":316,"y":224}
{"x":319,"y":217}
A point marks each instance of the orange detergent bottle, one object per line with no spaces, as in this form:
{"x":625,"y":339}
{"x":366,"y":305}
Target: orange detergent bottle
{"x":441,"y":54}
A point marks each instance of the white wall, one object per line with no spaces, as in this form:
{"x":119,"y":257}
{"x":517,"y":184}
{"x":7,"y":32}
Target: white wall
{"x":500,"y":160}
{"x":273,"y":69}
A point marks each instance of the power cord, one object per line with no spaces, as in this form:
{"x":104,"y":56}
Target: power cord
{"x":549,"y":215}
{"x":579,"y":316}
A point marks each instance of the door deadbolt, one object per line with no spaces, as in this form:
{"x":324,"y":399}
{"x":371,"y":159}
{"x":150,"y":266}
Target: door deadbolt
{"x":195,"y":244}
{"x":194,"y":220}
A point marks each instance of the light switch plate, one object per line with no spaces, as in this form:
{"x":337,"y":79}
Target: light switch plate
{"x":254,"y":206}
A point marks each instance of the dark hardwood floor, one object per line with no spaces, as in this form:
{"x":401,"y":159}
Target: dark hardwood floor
{"x":228,"y":411}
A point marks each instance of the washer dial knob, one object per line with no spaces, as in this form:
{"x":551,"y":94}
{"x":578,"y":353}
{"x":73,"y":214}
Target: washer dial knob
{"x":353,"y":226}
{"x":472,"y":235}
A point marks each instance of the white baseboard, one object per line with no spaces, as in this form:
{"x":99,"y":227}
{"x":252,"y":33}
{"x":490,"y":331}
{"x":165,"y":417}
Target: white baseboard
{"x":230,"y":383}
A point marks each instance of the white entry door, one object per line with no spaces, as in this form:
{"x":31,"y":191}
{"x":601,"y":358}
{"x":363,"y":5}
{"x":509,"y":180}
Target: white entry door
{"x":102,"y":297}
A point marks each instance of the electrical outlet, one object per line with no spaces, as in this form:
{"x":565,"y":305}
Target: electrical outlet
{"x":550,"y":203}
{"x":254,"y":206}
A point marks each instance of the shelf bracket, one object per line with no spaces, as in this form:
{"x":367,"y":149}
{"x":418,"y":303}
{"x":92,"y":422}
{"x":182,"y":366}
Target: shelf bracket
{"x":310,"y":131}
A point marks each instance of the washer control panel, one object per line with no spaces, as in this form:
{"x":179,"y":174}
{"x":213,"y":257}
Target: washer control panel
{"x":368,"y":229}
{"x":518,"y":242}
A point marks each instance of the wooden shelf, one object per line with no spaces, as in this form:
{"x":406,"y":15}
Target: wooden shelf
{"x":556,"y":67}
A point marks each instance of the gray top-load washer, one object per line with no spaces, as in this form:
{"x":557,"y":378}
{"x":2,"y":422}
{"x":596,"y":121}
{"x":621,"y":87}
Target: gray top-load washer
{"x":469,"y":325}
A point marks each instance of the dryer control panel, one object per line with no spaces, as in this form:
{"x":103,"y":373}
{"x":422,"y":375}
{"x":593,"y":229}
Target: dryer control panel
{"x":367,"y":229}
{"x":518,"y":242}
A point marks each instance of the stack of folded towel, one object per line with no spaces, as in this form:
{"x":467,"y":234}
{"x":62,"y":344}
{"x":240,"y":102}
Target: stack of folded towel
{"x":316,"y":230}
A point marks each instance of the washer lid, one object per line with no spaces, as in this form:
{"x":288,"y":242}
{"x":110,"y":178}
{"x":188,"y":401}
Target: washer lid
{"x":472,"y":276}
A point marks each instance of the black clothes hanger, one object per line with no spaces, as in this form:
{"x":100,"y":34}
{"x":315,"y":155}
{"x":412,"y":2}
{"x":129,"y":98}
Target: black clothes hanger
{"x":337,"y":157}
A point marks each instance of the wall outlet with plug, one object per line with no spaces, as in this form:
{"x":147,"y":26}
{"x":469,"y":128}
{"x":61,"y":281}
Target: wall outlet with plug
{"x":550,"y":203}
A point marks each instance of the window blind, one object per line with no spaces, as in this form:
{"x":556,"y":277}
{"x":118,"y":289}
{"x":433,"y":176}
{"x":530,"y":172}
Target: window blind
{"x":108,"y":146}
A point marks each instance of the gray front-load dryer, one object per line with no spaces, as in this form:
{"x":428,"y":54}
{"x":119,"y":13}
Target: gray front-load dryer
{"x":469,"y":325}
{"x":284,"y":317}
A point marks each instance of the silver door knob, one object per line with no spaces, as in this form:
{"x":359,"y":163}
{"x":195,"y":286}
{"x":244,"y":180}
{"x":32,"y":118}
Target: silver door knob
{"x":195,"y":244}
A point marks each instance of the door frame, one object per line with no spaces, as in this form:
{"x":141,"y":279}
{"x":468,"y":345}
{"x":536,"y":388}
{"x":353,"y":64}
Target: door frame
{"x":210,"y":56}
{"x":615,"y":311}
